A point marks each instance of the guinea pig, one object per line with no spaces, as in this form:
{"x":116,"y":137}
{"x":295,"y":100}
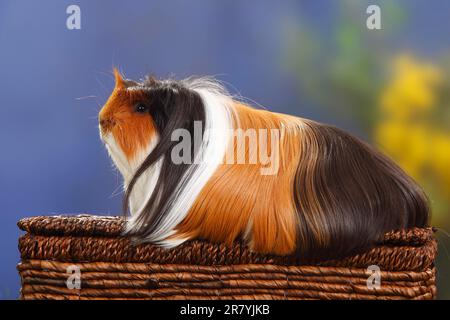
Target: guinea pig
{"x":328,"y":194}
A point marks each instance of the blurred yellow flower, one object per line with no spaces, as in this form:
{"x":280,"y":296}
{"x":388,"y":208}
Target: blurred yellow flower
{"x":412,"y":88}
{"x":407,"y":130}
{"x":407,"y":144}
{"x":440,"y":158}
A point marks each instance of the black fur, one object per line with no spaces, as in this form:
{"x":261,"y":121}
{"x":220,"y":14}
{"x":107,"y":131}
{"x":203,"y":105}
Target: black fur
{"x":362,"y":194}
{"x":172,"y":106}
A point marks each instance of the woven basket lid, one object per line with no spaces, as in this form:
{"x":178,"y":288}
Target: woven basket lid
{"x":98,"y":238}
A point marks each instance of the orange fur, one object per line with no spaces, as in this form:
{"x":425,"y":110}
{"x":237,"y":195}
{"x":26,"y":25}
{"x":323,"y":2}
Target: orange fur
{"x":238,"y":200}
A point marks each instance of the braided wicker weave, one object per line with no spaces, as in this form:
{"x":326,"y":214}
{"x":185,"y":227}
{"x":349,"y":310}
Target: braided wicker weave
{"x":113,"y":268}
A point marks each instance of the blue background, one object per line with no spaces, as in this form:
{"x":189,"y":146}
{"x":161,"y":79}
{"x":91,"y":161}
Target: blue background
{"x":54,"y":81}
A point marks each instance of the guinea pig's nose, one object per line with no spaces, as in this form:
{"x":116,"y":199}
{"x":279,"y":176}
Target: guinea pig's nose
{"x":106,"y":123}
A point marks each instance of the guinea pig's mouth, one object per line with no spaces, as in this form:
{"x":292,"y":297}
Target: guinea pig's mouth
{"x":103,"y":136}
{"x":106,"y":136}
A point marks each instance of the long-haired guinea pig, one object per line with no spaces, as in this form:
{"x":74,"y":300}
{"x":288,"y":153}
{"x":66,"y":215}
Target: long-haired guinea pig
{"x":314,"y":190}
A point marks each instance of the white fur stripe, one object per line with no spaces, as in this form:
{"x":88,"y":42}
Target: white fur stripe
{"x":212,"y":151}
{"x":146,"y":183}
{"x":142,"y":192}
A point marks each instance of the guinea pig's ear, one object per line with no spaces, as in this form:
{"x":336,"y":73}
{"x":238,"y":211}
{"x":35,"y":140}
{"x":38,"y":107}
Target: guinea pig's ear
{"x":120,"y":84}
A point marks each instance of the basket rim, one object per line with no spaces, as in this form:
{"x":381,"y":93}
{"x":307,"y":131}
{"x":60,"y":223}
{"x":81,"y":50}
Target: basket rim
{"x":99,"y":238}
{"x":112,"y":226}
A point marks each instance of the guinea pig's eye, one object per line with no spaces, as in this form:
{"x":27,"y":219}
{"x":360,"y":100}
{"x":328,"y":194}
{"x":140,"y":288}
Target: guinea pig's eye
{"x":140,"y":107}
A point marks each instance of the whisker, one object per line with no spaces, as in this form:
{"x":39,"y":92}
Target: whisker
{"x":106,"y":91}
{"x":105,"y":73}
{"x":86,"y":97}
{"x":443,"y":231}
{"x":116,"y":192}
{"x":443,"y":245}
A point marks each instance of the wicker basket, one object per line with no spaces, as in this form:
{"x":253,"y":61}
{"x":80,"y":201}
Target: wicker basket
{"x":113,"y":268}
